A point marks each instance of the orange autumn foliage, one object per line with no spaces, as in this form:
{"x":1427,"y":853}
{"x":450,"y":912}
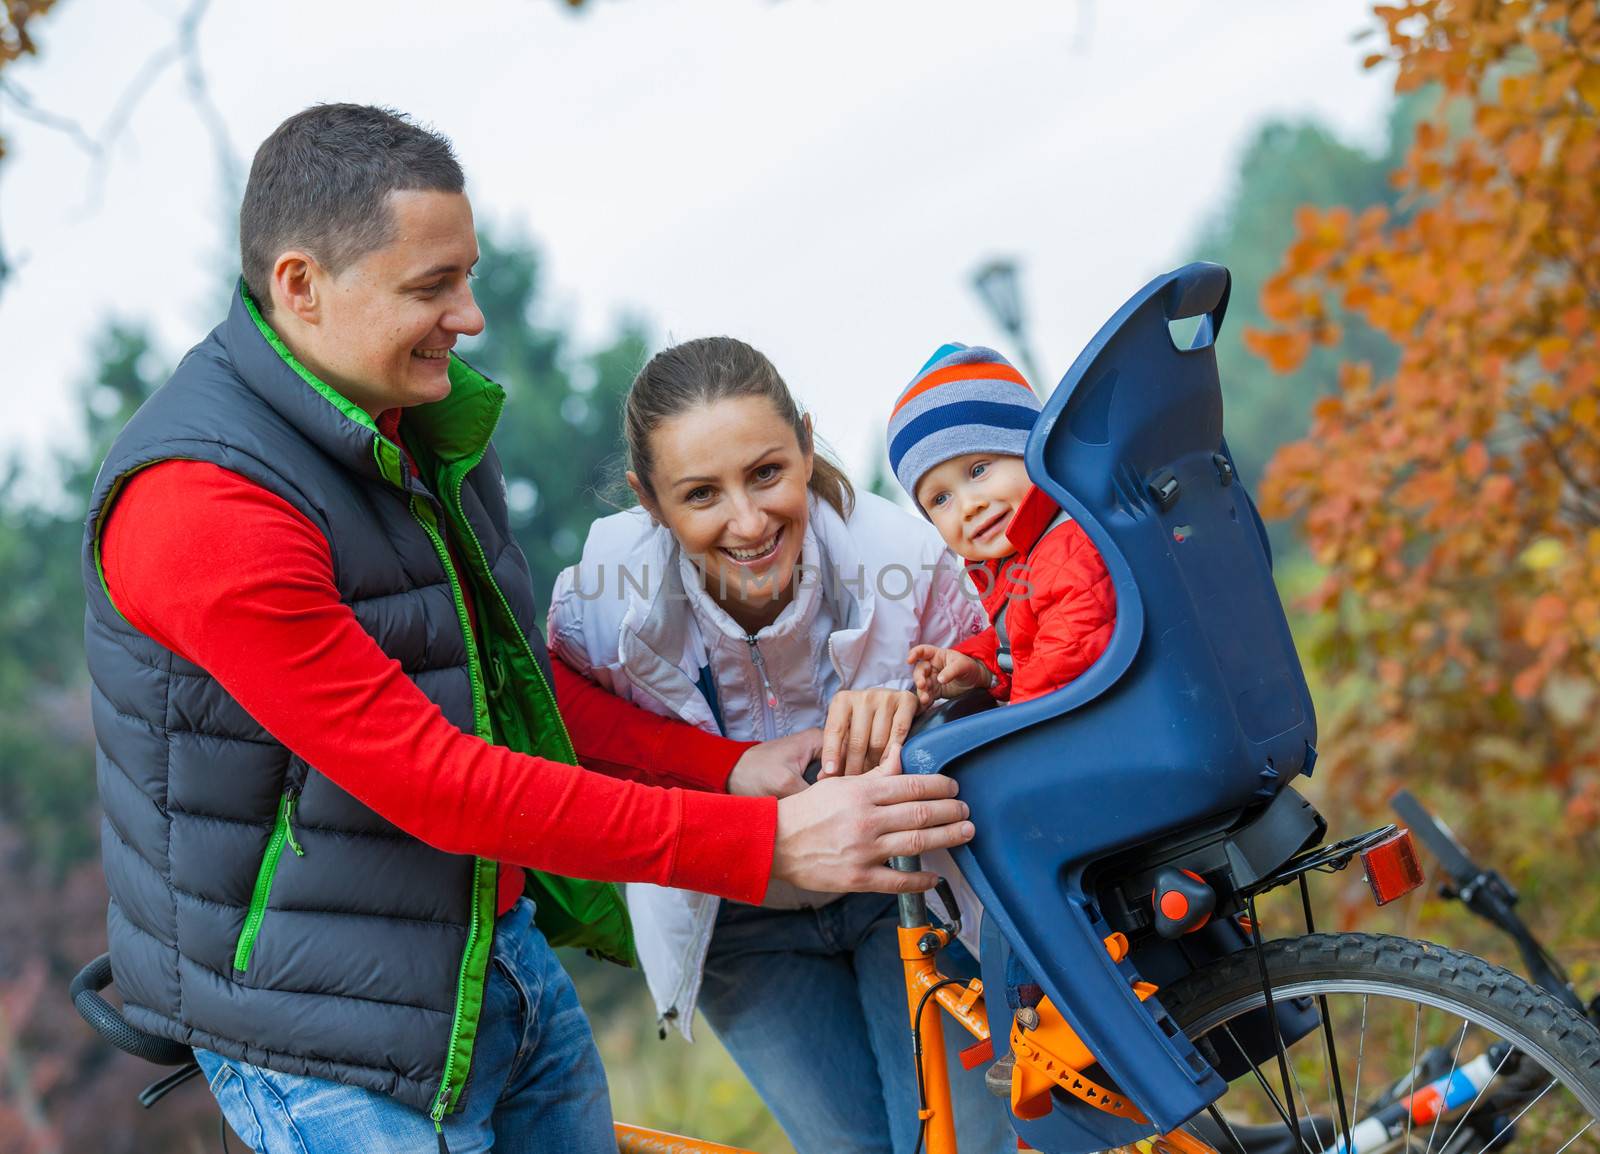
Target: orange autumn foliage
{"x":1455,"y":504}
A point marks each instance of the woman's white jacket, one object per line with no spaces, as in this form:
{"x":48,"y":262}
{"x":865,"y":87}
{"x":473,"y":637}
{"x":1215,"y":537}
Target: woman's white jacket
{"x":632,"y":616}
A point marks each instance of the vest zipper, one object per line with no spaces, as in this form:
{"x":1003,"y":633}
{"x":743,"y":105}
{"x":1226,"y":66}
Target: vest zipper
{"x":474,"y":955}
{"x":282,"y":834}
{"x":769,"y":699}
{"x":631,"y":953}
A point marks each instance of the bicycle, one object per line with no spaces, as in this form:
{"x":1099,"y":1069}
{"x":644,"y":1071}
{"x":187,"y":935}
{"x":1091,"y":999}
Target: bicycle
{"x":1214,"y":1006}
{"x":1129,"y":821}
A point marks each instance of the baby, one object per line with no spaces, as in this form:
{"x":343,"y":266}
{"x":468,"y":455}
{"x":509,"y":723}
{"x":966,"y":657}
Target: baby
{"x":956,"y":439}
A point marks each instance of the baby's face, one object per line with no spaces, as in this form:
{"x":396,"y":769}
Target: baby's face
{"x":971,"y":501}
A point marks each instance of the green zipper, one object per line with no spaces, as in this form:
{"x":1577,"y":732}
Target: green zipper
{"x":282,"y":835}
{"x":483,"y":560}
{"x":474,"y":958}
{"x":480,"y":703}
{"x":522,"y":638}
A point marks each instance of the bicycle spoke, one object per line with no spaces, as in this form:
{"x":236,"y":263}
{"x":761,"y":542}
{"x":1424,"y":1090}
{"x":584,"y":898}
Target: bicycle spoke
{"x":1361,"y":1050}
{"x":1335,"y":1099}
{"x":1455,"y":1060}
{"x":1305,"y":1103}
{"x":1571,"y":1140}
{"x":1481,"y":1101}
{"x":1262,"y":1081}
{"x":1500,"y":1065}
{"x":1227,"y":1128}
{"x":1484,"y":1149}
{"x":1416,"y":1036}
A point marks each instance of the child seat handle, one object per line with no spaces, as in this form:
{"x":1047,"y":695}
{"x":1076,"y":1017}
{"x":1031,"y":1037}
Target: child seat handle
{"x":1198,"y":289}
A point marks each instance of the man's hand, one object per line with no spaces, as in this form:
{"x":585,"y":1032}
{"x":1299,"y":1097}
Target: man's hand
{"x":944,"y":673}
{"x":836,"y":836}
{"x":865,"y":729}
{"x":774,"y":768}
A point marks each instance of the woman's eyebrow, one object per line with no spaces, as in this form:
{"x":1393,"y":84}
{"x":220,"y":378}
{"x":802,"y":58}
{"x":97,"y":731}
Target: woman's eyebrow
{"x":754,"y":461}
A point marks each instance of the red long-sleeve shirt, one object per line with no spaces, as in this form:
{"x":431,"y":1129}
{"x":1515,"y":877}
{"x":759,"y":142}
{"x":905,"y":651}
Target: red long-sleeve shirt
{"x":235,"y":579}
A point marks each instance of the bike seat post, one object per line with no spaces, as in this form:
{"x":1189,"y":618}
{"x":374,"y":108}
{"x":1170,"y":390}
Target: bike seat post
{"x":934,"y":1112}
{"x":913,"y":907}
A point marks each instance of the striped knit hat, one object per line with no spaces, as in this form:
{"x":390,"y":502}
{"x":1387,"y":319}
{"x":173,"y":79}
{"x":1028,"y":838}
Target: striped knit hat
{"x":964,"y":400}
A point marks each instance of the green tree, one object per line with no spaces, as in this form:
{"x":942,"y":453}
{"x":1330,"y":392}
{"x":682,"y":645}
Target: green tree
{"x":1284,"y":167}
{"x":559,"y":438}
{"x":46,"y":766}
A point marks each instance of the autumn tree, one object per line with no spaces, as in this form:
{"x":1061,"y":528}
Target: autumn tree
{"x":1453,"y":501}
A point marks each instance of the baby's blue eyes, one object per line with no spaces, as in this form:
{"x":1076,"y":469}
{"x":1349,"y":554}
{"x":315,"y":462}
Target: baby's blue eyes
{"x":980,"y":468}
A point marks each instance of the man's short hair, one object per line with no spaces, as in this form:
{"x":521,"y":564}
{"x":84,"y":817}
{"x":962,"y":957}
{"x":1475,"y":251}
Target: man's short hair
{"x":320,"y":182}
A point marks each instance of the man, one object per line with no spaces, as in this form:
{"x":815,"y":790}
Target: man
{"x":328,"y":743}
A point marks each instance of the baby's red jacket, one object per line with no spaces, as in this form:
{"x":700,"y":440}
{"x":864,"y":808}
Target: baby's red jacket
{"x":1062,"y":604}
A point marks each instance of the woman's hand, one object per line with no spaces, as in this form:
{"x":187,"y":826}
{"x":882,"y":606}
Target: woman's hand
{"x":865,"y":729}
{"x":944,"y":673}
{"x":775,"y":768}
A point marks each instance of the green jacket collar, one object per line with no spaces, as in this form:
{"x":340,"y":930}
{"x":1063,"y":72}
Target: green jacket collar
{"x":453,"y":430}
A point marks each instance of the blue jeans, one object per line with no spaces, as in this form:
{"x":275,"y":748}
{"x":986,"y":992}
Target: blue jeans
{"x":811,"y":1003}
{"x":536,"y":1082}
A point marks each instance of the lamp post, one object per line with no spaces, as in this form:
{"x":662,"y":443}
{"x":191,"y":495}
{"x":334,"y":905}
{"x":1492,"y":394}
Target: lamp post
{"x":998,"y":288}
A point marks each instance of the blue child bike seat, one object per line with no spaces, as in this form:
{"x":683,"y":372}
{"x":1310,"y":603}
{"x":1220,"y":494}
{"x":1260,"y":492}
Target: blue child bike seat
{"x":1198,"y":708}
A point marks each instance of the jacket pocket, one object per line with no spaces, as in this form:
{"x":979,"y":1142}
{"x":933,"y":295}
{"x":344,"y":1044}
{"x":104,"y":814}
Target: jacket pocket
{"x":282,"y":835}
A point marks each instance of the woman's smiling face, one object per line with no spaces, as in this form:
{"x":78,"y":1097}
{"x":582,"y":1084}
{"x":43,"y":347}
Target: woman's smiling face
{"x":729,"y":480}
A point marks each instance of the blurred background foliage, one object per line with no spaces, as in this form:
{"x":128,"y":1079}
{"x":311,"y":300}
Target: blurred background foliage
{"x":1305,"y":392}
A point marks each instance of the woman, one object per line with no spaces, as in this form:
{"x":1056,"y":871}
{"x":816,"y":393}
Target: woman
{"x":753,"y":593}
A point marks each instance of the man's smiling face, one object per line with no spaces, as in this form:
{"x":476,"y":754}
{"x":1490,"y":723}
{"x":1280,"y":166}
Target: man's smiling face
{"x":385,"y":323}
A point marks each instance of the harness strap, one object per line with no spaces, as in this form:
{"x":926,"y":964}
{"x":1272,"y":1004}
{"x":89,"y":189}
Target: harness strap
{"x":1002,"y":655}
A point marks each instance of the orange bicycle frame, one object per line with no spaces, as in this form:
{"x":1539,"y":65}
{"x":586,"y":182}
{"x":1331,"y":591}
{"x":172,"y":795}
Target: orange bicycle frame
{"x":1048,"y":1053}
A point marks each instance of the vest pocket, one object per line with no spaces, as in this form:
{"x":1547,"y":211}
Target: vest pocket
{"x":282,"y":835}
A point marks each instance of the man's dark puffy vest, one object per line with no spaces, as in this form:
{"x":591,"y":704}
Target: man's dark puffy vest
{"x":257,"y":909}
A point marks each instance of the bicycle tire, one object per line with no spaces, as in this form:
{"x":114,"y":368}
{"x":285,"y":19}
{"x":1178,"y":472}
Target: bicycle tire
{"x":1564,"y":1044}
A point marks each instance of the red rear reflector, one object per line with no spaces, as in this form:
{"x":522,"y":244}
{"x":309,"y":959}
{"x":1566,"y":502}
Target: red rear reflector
{"x":1392,"y":867}
{"x":977,"y":1053}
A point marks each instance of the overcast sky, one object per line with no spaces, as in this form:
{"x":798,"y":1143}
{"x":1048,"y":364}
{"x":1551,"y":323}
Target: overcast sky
{"x":818,"y":177}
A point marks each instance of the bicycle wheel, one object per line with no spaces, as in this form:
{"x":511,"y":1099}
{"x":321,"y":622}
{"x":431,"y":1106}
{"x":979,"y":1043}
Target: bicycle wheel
{"x":1417,"y":1049}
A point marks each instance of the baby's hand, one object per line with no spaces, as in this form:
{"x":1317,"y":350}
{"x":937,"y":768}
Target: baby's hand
{"x":944,"y":673}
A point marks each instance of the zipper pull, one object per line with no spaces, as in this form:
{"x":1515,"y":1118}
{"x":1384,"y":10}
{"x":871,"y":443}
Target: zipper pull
{"x":761,"y":668}
{"x":288,"y":825}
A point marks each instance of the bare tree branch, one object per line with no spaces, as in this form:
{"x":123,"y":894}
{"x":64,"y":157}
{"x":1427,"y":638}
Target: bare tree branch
{"x":24,"y":104}
{"x":122,"y":112}
{"x":200,"y":92}
{"x":184,"y":48}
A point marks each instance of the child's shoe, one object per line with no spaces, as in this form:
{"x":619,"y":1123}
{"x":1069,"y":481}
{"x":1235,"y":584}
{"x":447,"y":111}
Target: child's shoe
{"x":997,"y":1078}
